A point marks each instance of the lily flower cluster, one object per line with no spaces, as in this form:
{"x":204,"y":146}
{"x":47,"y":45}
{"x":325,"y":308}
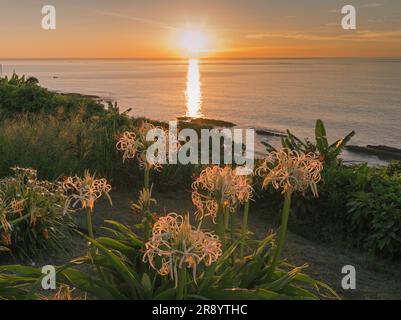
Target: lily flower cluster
{"x":85,"y":191}
{"x":219,"y":187}
{"x":176,"y":244}
{"x":291,"y":171}
{"x":145,"y":201}
{"x":135,"y":145}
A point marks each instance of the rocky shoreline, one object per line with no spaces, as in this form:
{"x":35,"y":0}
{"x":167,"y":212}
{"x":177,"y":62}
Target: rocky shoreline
{"x":271,"y":133}
{"x":207,"y":122}
{"x":382,"y":152}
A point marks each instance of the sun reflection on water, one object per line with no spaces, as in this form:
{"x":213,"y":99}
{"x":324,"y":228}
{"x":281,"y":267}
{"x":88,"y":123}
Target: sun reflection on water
{"x":193,"y":92}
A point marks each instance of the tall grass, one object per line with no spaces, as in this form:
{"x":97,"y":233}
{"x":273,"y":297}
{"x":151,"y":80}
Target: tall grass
{"x":42,"y":142}
{"x":63,"y":145}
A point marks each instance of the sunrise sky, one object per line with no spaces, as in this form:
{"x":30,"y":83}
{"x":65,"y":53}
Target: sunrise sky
{"x":232,"y":28}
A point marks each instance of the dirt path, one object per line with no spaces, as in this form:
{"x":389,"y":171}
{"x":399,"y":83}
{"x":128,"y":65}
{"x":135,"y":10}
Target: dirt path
{"x":374,"y":279}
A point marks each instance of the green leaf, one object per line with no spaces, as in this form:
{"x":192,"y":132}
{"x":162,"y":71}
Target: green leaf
{"x":98,"y":288}
{"x":239,"y":294}
{"x":112,"y":244}
{"x":227,"y":254}
{"x":147,"y":285}
{"x":126,"y":231}
{"x":129,"y":275}
{"x":321,"y":138}
{"x":168,"y":294}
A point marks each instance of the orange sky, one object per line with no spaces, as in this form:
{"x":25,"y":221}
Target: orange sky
{"x":149,"y":29}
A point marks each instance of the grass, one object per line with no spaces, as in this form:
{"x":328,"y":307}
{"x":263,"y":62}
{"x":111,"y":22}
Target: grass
{"x":57,"y":146}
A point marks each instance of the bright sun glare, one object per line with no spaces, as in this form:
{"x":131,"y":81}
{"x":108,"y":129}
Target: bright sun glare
{"x":192,"y":41}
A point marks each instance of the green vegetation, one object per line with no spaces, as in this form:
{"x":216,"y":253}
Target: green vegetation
{"x":178,"y":261}
{"x":32,"y":220}
{"x":19,"y":96}
{"x":363,"y":205}
{"x":357,"y":204}
{"x":120,"y":274}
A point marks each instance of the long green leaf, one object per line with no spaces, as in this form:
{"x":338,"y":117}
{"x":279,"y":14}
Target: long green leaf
{"x":128,"y":275}
{"x":321,"y":138}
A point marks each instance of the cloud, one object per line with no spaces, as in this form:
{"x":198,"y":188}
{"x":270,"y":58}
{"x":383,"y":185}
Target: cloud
{"x":360,"y":35}
{"x":371,"y":5}
{"x":362,"y":6}
{"x":136,"y":19}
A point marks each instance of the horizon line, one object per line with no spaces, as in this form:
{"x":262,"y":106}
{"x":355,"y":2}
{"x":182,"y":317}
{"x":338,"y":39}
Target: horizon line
{"x":202,"y":58}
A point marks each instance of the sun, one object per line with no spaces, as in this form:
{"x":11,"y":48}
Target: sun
{"x":192,"y":41}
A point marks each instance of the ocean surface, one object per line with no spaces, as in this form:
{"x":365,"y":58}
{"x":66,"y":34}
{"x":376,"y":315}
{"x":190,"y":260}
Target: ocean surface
{"x":347,"y":94}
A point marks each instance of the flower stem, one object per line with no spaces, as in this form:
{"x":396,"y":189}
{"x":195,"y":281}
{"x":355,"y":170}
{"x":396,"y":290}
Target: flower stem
{"x":283,"y":230}
{"x":92,"y":251}
{"x":89,"y":222}
{"x":182,"y":278}
{"x":226,"y":219}
{"x":146,"y":229}
{"x":220,"y":227}
{"x":226,"y":225}
{"x":232,"y":224}
{"x":244,"y":228}
{"x":146,"y":221}
{"x":146,"y":178}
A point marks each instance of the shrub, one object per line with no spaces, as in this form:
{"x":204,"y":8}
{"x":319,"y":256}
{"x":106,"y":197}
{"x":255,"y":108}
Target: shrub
{"x":394,"y":168}
{"x":31,"y":215}
{"x":19,"y":95}
{"x":374,"y":215}
{"x":360,"y":205}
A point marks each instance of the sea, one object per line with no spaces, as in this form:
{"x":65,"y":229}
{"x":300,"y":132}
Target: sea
{"x":270,"y":94}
